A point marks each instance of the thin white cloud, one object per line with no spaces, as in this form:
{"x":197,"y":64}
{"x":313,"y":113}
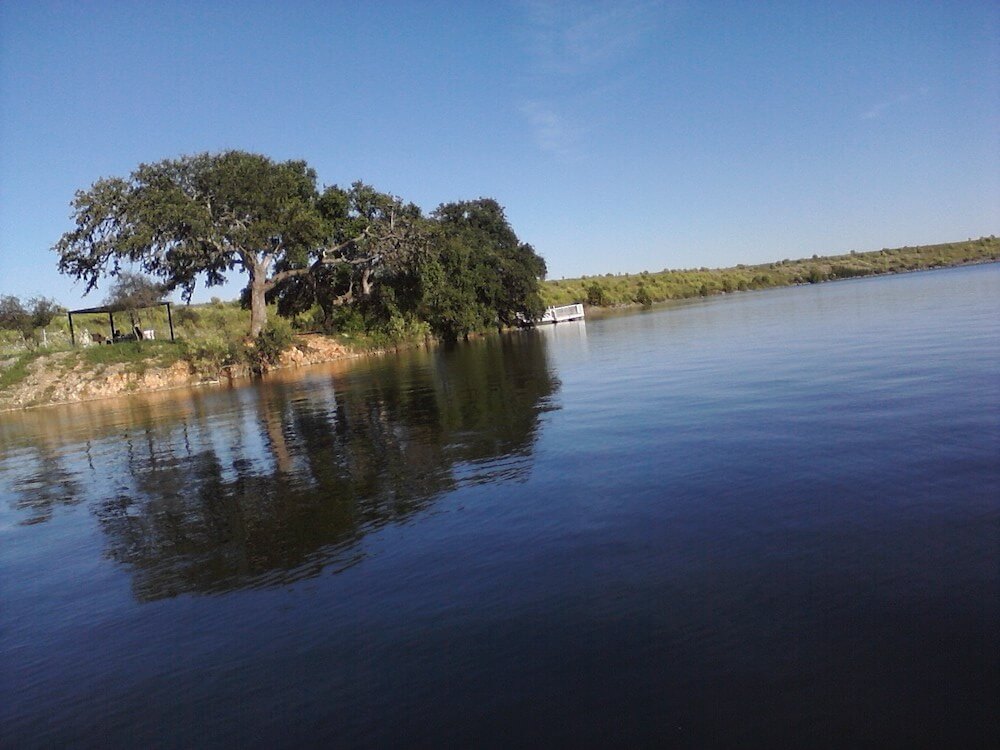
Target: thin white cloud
{"x":571,"y":37}
{"x":575,"y":49}
{"x":876,"y":112}
{"x":549,"y":129}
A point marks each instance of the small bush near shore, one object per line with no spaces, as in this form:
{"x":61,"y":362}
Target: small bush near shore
{"x":269,"y":344}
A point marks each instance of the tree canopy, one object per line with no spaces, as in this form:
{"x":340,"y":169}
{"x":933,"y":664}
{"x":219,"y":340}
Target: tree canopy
{"x":481,"y":274}
{"x":373,"y":237}
{"x":133,"y":292}
{"x":206,"y":216}
{"x":471,"y":273}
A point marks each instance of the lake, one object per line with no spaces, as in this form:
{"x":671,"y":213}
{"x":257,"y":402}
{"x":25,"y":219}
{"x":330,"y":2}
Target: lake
{"x":770,"y":517}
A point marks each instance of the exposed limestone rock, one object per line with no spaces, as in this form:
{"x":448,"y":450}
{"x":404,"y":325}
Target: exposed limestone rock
{"x":50,"y":381}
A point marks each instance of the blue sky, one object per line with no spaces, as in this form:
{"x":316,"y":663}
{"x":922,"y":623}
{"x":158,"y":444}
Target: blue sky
{"x":620,"y":136}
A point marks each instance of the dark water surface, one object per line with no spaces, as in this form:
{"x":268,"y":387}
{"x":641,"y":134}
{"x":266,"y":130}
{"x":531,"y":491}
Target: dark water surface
{"x":767,"y":518}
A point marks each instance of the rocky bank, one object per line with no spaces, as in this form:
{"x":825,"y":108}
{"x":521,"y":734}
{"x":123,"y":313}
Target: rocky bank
{"x":51,"y":379}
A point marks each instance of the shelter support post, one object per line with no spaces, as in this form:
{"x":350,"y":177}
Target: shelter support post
{"x":72,"y":336}
{"x":170,"y":321}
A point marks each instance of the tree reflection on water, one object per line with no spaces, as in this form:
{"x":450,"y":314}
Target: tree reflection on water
{"x":289,"y":481}
{"x":43,"y":485}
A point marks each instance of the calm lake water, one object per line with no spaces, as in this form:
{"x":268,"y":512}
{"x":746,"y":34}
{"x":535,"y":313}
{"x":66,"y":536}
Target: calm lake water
{"x":767,"y":518}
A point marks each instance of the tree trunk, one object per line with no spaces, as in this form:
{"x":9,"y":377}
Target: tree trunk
{"x":258,"y":306}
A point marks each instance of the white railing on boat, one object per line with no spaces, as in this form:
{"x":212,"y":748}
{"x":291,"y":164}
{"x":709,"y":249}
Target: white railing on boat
{"x":562,"y":313}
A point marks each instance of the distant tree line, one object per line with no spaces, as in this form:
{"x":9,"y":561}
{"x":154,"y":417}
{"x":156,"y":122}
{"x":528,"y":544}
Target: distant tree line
{"x":357,"y":256}
{"x":646,"y":288}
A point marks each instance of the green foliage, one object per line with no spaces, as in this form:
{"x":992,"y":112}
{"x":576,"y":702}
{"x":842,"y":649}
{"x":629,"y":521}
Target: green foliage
{"x":348,"y":320}
{"x":269,"y":344}
{"x":226,"y":319}
{"x":215,"y":338}
{"x":200,"y":217}
{"x":133,"y":291}
{"x":481,"y":275}
{"x":398,"y":331}
{"x":670,"y":285}
{"x":596,"y":295}
{"x":10,"y":341}
{"x":43,"y":310}
{"x":374,"y":242}
{"x":326,"y":288}
{"x":462,"y":270}
{"x":197,"y":216}
{"x":137,"y":355}
{"x":814,"y":276}
{"x":452,"y":282}
{"x":26,"y":318}
{"x":186,"y":316}
{"x":210,"y":356}
{"x":13,"y":315}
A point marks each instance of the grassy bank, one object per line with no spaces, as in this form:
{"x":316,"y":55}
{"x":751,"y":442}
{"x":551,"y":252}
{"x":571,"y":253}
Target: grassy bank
{"x":649,"y":287}
{"x":212,"y":342}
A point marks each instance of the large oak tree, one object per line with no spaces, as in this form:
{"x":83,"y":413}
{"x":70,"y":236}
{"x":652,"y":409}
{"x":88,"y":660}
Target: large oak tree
{"x":207,"y":215}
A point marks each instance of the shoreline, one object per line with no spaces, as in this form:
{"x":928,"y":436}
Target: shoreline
{"x":80,"y":385}
{"x":645,"y":288}
{"x":630,"y":306}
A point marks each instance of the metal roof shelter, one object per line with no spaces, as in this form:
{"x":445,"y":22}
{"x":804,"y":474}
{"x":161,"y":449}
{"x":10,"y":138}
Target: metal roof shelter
{"x":111,"y":310}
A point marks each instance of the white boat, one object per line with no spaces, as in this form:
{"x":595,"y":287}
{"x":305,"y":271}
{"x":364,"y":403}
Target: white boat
{"x":562,"y":313}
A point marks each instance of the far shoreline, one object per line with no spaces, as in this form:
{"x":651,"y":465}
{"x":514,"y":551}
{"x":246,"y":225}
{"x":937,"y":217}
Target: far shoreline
{"x":601,"y":311}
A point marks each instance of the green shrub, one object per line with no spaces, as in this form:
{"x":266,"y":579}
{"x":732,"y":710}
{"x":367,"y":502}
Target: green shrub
{"x":208,"y":357}
{"x":269,"y":344}
{"x":815,"y":276}
{"x":399,"y":329}
{"x":596,"y":295}
{"x":347,"y":320}
{"x":186,"y":314}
